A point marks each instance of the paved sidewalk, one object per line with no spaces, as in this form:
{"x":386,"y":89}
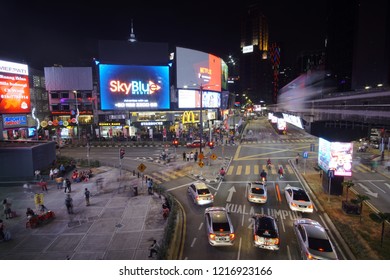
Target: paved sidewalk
{"x":117,"y":225}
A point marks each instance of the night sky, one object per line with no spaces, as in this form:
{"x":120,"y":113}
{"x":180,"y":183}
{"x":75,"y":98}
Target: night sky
{"x":67,"y":34}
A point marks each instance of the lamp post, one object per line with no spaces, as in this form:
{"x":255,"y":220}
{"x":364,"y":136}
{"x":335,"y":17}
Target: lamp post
{"x":77,"y":114}
{"x":201,"y":119}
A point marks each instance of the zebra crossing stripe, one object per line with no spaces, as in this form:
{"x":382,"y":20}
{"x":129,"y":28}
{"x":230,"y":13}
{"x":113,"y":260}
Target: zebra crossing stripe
{"x":239,"y":170}
{"x":247,"y":169}
{"x":230,"y":170}
{"x":169,"y":174}
{"x":256,"y":169}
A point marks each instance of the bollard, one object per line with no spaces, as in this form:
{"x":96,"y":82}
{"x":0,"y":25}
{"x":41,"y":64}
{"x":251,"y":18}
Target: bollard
{"x":138,"y":174}
{"x":146,"y":179}
{"x":133,"y":172}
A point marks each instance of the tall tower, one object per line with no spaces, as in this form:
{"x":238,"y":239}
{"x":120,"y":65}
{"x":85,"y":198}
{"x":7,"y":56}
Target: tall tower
{"x":132,"y":38}
{"x":255,"y":66}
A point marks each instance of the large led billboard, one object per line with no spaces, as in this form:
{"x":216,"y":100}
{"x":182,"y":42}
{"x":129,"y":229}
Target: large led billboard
{"x":195,"y":68}
{"x":190,"y":99}
{"x":335,"y":156}
{"x":134,"y":88}
{"x":14,"y":88}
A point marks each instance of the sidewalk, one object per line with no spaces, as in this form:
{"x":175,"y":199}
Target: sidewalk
{"x":117,"y":225}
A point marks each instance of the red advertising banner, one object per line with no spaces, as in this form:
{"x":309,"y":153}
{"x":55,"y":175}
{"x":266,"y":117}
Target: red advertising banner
{"x":14,"y":88}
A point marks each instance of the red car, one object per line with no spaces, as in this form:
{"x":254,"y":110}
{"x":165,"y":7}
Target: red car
{"x":195,"y":144}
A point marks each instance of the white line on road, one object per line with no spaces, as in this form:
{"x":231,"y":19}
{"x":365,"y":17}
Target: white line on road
{"x":388,"y":185}
{"x":288,"y":252}
{"x":200,"y":226}
{"x":193,"y":242}
{"x":284,"y":229}
{"x":377,"y":187}
{"x":239,"y":249}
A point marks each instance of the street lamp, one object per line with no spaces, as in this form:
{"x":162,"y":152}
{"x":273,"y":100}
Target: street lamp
{"x":77,"y":114}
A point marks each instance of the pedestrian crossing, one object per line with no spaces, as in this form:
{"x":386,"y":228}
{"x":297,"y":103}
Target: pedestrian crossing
{"x":166,"y":175}
{"x":276,"y":141}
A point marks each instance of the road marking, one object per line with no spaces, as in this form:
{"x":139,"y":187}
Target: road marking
{"x":239,"y":170}
{"x":288,"y":252}
{"x":256,"y":169}
{"x":230,"y":195}
{"x":230,"y":170}
{"x":377,"y":187}
{"x":239,"y":249}
{"x":388,"y":185}
{"x":247,"y":169}
{"x":278,"y":192}
{"x":368,"y":191}
{"x":193,"y":242}
{"x":200,"y":226}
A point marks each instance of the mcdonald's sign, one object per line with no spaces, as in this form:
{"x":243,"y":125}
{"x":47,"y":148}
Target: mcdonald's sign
{"x":188,"y":117}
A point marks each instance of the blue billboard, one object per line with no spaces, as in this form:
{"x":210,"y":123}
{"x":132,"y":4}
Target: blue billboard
{"x":134,"y":88}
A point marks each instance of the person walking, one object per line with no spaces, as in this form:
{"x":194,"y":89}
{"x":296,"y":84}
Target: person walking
{"x":184,"y":156}
{"x":7,"y":209}
{"x":196,"y":156}
{"x":69,"y":204}
{"x":59,"y":181}
{"x":153,"y":248}
{"x":297,"y":159}
{"x":68,"y":185}
{"x":43,"y":185}
{"x":87,"y":195}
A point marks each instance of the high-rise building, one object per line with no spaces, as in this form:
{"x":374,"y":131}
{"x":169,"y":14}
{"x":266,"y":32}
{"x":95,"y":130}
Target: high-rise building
{"x":255,"y":66}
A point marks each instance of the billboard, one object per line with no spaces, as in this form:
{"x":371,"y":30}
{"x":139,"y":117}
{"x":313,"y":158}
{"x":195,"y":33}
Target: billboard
{"x":335,"y":156}
{"x":134,"y":88}
{"x":68,"y":78}
{"x":195,"y":68}
{"x":14,"y":88}
{"x":189,"y":99}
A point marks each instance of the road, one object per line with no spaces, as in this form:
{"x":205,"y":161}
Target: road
{"x":248,"y":161}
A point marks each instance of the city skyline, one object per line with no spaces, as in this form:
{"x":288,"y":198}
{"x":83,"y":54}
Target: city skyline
{"x":69,"y":36}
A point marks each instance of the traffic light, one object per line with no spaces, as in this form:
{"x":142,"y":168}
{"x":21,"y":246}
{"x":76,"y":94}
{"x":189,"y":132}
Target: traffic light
{"x":121,"y":153}
{"x":211,"y":145}
{"x":175,"y":143}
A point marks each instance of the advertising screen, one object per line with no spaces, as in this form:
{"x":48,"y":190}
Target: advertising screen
{"x":335,"y":156}
{"x":196,"y":68}
{"x":14,"y":88}
{"x":189,"y":99}
{"x":134,"y":88}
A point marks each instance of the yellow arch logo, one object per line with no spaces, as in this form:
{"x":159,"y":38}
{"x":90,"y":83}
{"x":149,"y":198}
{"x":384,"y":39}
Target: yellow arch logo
{"x":188,"y":117}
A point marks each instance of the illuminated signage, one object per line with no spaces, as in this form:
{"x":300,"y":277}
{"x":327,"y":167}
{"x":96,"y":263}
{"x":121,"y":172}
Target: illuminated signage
{"x":14,"y":88}
{"x":14,"y":121}
{"x":188,"y":117}
{"x":134,"y":87}
{"x":247,"y":49}
{"x":151,"y":123}
{"x":335,"y":156}
{"x":110,"y":124}
{"x":188,"y":98}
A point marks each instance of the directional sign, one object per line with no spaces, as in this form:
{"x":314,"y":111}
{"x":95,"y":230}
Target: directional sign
{"x":141,"y":167}
{"x":200,"y":163}
{"x":213,"y":156}
{"x":201,"y":156}
{"x":305,"y":154}
{"x":330,"y":173}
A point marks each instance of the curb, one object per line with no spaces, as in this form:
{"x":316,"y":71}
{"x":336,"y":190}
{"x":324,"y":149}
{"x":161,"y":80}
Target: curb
{"x":175,"y":251}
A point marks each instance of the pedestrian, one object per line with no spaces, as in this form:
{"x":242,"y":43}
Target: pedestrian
{"x":59,"y":182}
{"x":69,"y":204}
{"x":43,"y":208}
{"x":43,"y":185}
{"x":64,"y":183}
{"x":153,"y":248}
{"x":37,"y":174}
{"x":166,"y":211}
{"x":68,"y":185}
{"x":7,"y":209}
{"x":196,"y":156}
{"x":184,"y":156}
{"x":62,"y":170}
{"x":2,"y":230}
{"x":86,"y":194}
{"x":188,"y":156}
{"x":297,"y":159}
{"x":51,"y":174}
{"x":150,"y":186}
{"x":280,"y":172}
{"x":191,"y":156}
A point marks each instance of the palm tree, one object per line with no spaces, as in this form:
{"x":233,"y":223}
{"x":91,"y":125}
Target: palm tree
{"x":381,"y":218}
{"x":347,"y":185}
{"x":360,"y":198}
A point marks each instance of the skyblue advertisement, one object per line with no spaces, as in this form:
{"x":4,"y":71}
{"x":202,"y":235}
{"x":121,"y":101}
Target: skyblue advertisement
{"x":134,"y":88}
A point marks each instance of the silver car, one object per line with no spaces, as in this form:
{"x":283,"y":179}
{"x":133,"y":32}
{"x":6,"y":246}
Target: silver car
{"x":313,"y":240}
{"x":265,"y":232}
{"x":257,"y":192}
{"x":219,"y":227}
{"x":200,"y":193}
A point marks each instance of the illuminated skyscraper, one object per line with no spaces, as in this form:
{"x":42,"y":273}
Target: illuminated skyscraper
{"x":255,"y":66}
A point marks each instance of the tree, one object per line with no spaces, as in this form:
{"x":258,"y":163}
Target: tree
{"x":360,"y":198}
{"x":347,"y":185}
{"x":381,"y":218}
